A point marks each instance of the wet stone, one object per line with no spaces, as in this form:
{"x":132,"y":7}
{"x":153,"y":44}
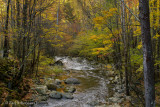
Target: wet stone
{"x":41,"y":89}
{"x":70,"y":89}
{"x":55,"y":95}
{"x":43,"y":103}
{"x":118,"y":95}
{"x":52,"y":86}
{"x":93,"y":103}
{"x":59,"y":63}
{"x":67,"y":95}
{"x":114,"y":105}
{"x":72,"y":81}
{"x":111,"y":78}
{"x":128,"y":98}
{"x":114,"y":99}
{"x":42,"y":98}
{"x":58,"y":82}
{"x":102,"y":105}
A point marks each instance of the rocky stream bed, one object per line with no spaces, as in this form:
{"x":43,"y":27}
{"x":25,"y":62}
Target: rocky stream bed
{"x":83,"y":84}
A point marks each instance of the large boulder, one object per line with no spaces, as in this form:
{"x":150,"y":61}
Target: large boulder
{"x":70,"y":89}
{"x":51,"y":86}
{"x":67,"y":95}
{"x":55,"y":95}
{"x":72,"y":81}
{"x":41,"y":89}
{"x":59,"y":63}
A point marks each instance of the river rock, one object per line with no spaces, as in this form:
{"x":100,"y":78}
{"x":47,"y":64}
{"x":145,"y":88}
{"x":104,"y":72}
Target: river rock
{"x":114,"y":105}
{"x":52,"y":86}
{"x":93,"y":103}
{"x":118,"y":95}
{"x":121,"y":100}
{"x":59,"y":63}
{"x":116,"y":100}
{"x":44,"y":103}
{"x":111,"y":78}
{"x":39,"y":82}
{"x":58,"y":82}
{"x":55,"y":95}
{"x":121,"y":91}
{"x":72,"y":81}
{"x":108,"y":82}
{"x":118,"y":87}
{"x":116,"y":80}
{"x":50,"y":81}
{"x":128,"y":98}
{"x":41,"y":89}
{"x":42,"y":98}
{"x":67,"y":95}
{"x":70,"y":89}
{"x":102,"y":105}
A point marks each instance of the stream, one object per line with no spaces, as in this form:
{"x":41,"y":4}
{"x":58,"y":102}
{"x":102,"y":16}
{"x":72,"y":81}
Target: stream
{"x":93,"y":87}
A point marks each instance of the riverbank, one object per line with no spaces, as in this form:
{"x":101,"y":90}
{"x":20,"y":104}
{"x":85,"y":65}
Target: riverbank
{"x":78,"y":82}
{"x":97,"y":87}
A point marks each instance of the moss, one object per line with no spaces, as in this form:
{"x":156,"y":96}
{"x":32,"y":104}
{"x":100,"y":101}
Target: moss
{"x":57,"y":69}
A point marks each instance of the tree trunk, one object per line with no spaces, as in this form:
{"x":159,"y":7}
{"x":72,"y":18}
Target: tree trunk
{"x":25,"y":6}
{"x":6,"y":39}
{"x":158,"y":32}
{"x":148,"y":66}
{"x":125,"y":47}
{"x":19,"y":37}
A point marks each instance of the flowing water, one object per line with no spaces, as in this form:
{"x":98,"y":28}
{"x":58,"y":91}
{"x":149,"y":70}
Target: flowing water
{"x":93,"y":88}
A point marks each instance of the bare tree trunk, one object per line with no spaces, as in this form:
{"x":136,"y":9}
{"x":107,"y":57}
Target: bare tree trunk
{"x":148,"y":66}
{"x":2,"y":29}
{"x":6,"y":39}
{"x":118,"y":50}
{"x":158,"y":31}
{"x":25,"y":5}
{"x":18,"y":30}
{"x":125,"y":47}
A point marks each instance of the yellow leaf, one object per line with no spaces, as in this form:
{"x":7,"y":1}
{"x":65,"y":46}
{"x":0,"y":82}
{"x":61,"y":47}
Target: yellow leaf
{"x":156,"y":36}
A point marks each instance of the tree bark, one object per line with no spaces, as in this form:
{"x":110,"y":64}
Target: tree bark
{"x":125,"y":48}
{"x":25,"y":6}
{"x":6,"y":39}
{"x":148,"y":66}
{"x":19,"y":37}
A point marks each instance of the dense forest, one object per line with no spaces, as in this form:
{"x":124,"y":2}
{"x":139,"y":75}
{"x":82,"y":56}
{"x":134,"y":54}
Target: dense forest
{"x":118,"y":38}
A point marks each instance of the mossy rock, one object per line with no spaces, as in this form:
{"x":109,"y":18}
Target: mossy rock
{"x":41,"y":89}
{"x":52,"y":86}
{"x":55,"y":95}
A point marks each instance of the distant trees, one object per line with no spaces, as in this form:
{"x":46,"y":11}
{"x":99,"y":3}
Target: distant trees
{"x":21,"y":32}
